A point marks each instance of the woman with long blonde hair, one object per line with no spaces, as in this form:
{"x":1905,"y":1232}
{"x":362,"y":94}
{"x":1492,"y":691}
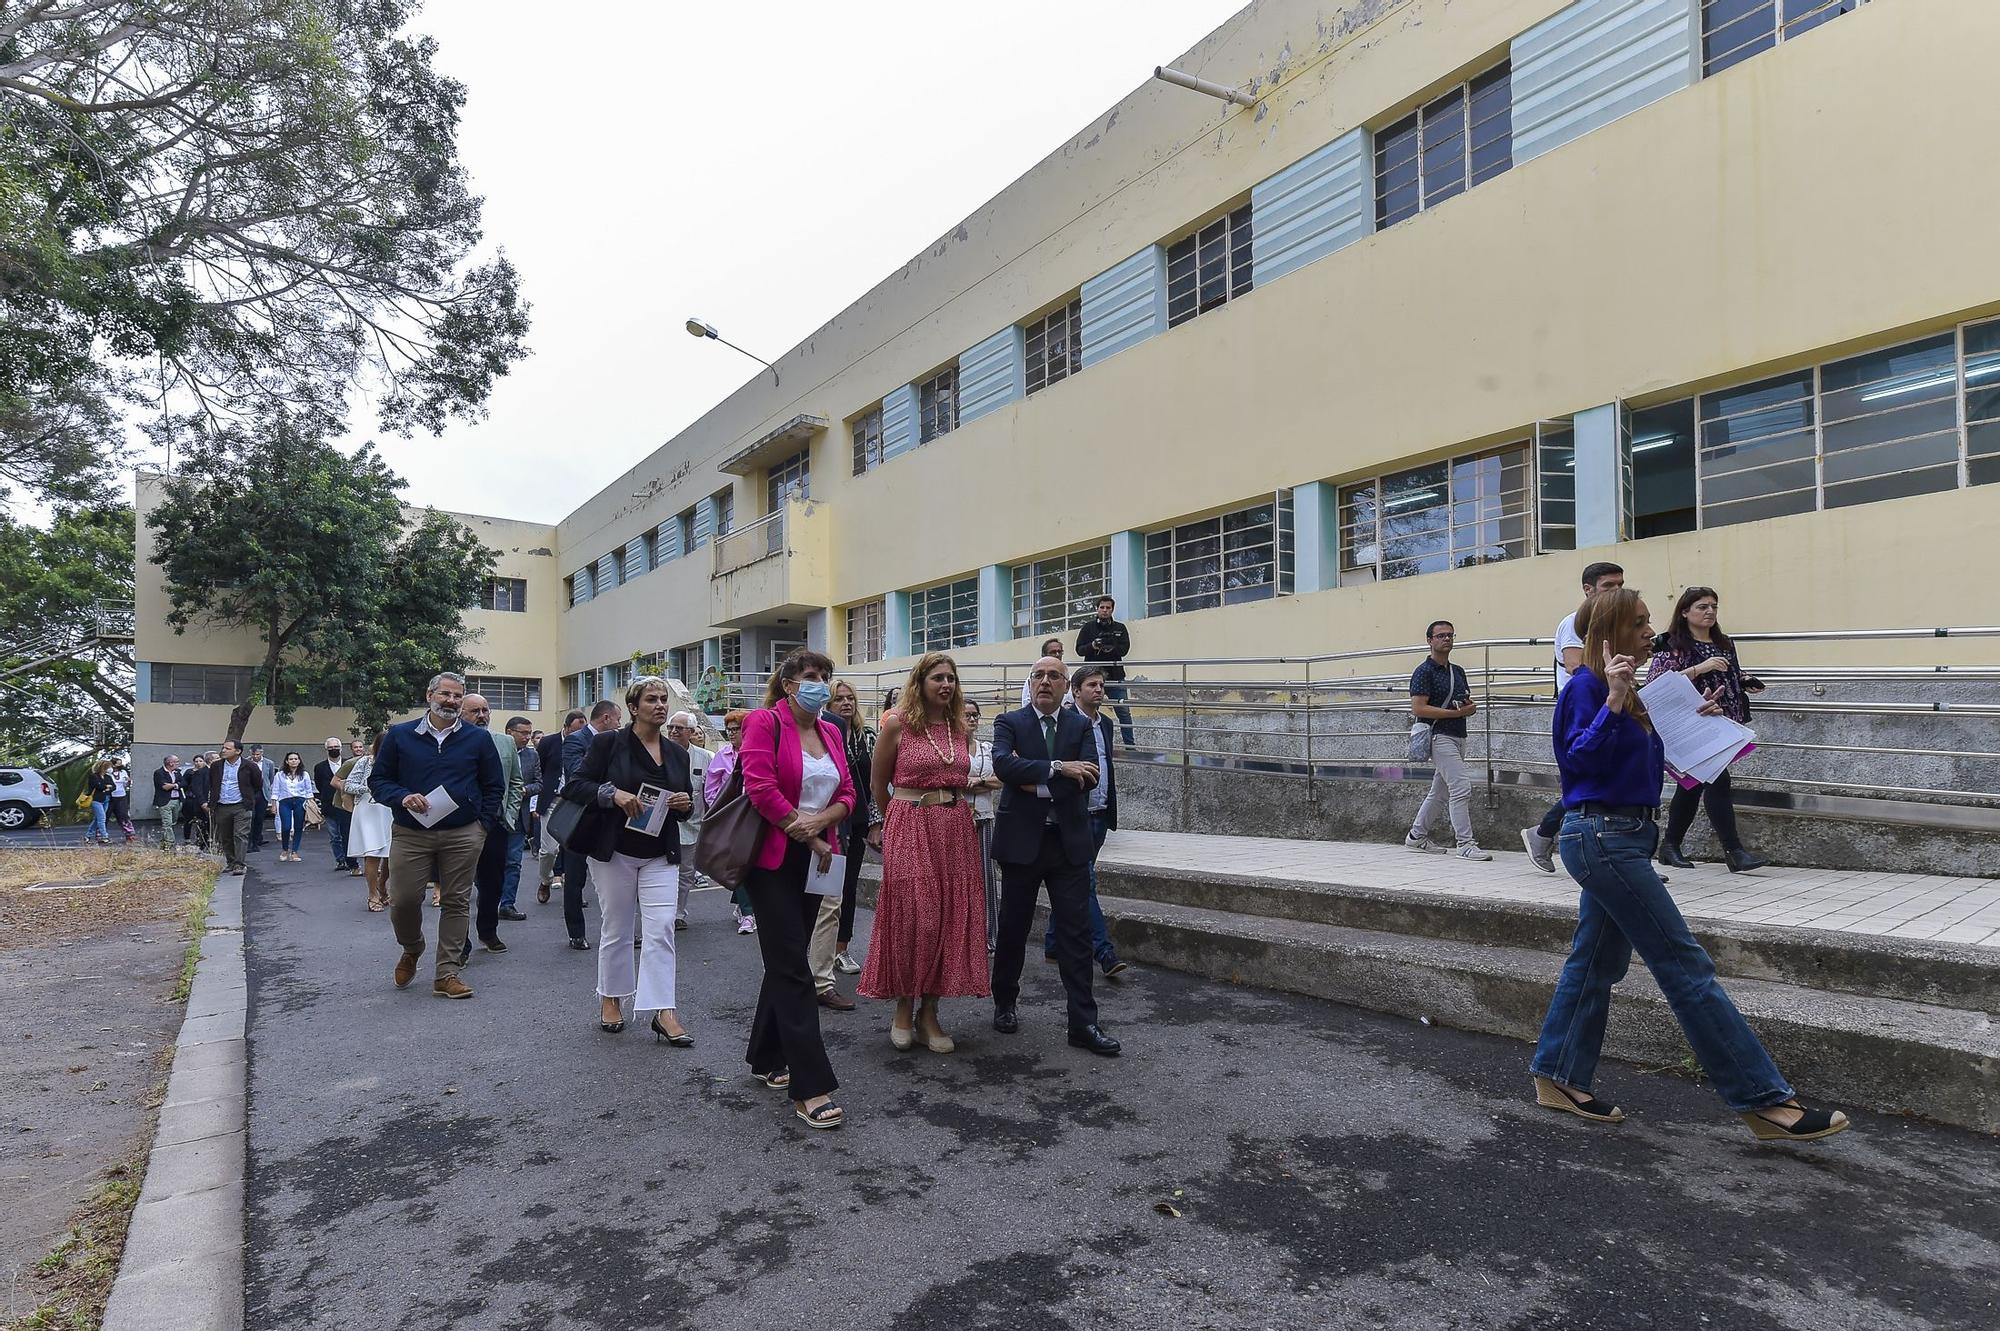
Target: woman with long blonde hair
{"x":1612,"y":765}
{"x":930,"y":915}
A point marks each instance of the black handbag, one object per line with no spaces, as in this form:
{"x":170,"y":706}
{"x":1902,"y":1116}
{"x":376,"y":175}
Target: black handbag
{"x":563,"y":821}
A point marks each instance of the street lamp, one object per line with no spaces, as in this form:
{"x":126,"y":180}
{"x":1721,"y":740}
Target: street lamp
{"x":696,"y":328}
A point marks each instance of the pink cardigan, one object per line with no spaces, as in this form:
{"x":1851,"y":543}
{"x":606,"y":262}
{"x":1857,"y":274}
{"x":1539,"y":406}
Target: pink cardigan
{"x":771,"y":780}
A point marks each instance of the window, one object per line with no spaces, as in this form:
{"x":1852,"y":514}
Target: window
{"x":723,"y":502}
{"x":867,"y":430}
{"x":616,"y":676}
{"x":1734,"y":30}
{"x":1051,"y":595}
{"x":683,"y":533}
{"x":506,"y":693}
{"x":1656,"y":460}
{"x":1241,"y":556}
{"x":1445,"y":147}
{"x":504,"y":594}
{"x":791,"y":477}
{"x":1209,"y":267}
{"x":1555,"y":475}
{"x":636,"y":560}
{"x":574,"y":691}
{"x":578,"y":585}
{"x":937,"y":405}
{"x":732,"y":655}
{"x":1982,"y":403}
{"x":945,"y":617}
{"x":222,"y":684}
{"x":1055,"y":345}
{"x":1443,"y":515}
{"x":864,"y":633}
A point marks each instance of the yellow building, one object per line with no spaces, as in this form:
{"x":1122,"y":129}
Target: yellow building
{"x":1473,"y":293}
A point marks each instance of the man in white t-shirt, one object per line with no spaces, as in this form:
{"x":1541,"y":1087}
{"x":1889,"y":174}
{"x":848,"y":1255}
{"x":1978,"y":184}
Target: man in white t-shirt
{"x":1540,"y":840}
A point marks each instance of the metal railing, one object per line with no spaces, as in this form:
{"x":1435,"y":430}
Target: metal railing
{"x":1340,"y":716}
{"x":750,"y":543}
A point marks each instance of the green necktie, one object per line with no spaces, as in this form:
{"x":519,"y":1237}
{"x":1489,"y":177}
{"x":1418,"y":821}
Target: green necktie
{"x":1049,"y":735}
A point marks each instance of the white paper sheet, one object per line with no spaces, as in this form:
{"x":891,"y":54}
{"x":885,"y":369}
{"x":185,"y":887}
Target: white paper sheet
{"x":829,"y":884}
{"x":441,"y":808}
{"x":1701,"y":746}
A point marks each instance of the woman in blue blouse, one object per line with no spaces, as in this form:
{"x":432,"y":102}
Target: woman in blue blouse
{"x":1612,"y":765}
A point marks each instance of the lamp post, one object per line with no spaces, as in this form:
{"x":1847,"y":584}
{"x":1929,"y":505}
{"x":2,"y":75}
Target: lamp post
{"x":696,"y":328}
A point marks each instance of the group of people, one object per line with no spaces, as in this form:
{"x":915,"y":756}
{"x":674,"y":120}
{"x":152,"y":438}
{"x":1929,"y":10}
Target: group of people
{"x":1692,"y":644}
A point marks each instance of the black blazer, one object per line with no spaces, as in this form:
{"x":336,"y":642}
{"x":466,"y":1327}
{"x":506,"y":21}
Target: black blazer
{"x":1021,"y":759}
{"x":166,"y":785}
{"x":618,"y":759}
{"x":549,"y":749}
{"x":194,"y":787}
{"x":249,"y":782}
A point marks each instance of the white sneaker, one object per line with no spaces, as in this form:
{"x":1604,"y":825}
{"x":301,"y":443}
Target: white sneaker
{"x":1470,"y":851}
{"x":1541,"y":850}
{"x":846,"y":964}
{"x":746,"y":924}
{"x":1422,"y":844}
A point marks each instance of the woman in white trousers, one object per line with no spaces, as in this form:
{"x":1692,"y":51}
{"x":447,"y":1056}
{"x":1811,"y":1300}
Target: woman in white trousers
{"x":625,"y":777}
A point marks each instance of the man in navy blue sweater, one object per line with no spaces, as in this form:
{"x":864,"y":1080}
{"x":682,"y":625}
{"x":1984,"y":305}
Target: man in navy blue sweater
{"x":436,"y":751}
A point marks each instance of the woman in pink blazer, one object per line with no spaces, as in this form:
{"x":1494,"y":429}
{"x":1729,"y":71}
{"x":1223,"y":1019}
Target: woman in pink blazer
{"x":795,"y":775}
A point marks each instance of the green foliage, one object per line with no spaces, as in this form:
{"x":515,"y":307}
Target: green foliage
{"x":53,"y":582}
{"x":238,"y":203}
{"x":276,"y":530}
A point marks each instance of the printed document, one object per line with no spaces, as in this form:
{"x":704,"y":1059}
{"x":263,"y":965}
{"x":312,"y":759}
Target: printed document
{"x":1698,"y":747}
{"x":652,"y":815}
{"x":829,"y":884}
{"x":441,"y":807}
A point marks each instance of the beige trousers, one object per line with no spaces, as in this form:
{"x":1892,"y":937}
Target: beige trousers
{"x":445,"y":856}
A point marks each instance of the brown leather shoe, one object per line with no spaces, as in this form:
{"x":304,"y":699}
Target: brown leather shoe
{"x":452,"y":987}
{"x":542,"y":894}
{"x":836,"y":1000}
{"x":406,"y":969}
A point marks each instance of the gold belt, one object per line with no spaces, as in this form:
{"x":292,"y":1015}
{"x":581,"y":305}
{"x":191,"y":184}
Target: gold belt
{"x":928,"y":797}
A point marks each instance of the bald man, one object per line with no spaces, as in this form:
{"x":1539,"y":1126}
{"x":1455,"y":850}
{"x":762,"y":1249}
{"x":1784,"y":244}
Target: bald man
{"x":489,"y":876}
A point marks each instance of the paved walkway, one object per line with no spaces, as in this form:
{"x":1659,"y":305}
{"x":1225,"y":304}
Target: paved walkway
{"x":1900,"y":905}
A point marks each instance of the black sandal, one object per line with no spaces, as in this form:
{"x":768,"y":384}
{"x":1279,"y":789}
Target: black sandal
{"x":1551,"y":1095}
{"x":609,"y":1027}
{"x":681,"y":1041}
{"x":828,"y":1115}
{"x":1812,"y":1125}
{"x":777,"y":1081}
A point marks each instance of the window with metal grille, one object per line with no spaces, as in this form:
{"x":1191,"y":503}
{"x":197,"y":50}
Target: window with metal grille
{"x":1982,"y":403}
{"x":1054,"y":345}
{"x":732,"y":655}
{"x":574,"y":690}
{"x":578,"y":586}
{"x":506,"y":693}
{"x":1734,"y":30}
{"x":1445,"y":147}
{"x":723,"y":502}
{"x":1443,"y":515}
{"x":1245,"y":555}
{"x":218,"y":684}
{"x":1059,"y":593}
{"x":1555,"y":478}
{"x":945,"y":617}
{"x":683,"y":532}
{"x":1209,"y":267}
{"x":504,"y":594}
{"x":864,"y":633}
{"x":937,"y":405}
{"x":791,"y":477}
{"x":867,"y":431}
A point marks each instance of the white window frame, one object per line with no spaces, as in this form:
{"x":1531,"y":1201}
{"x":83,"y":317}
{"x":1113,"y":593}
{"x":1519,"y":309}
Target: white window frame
{"x":866,"y":640}
{"x":1061,"y":328}
{"x":1083,"y":576}
{"x":507,"y":693}
{"x":1788,"y":20}
{"x":1235,"y":232}
{"x":1362,"y":545}
{"x":865,"y":431}
{"x":961,"y":616}
{"x":1174,"y":560}
{"x":1441,"y":119}
{"x":937,"y":404}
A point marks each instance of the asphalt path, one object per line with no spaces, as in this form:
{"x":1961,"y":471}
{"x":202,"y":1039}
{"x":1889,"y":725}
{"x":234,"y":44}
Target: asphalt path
{"x":1254,"y":1160}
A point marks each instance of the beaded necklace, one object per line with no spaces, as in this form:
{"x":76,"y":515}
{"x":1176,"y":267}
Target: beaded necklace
{"x":948,"y":755}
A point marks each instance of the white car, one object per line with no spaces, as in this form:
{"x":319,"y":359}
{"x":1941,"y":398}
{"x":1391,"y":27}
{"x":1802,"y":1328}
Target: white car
{"x":25,"y":796}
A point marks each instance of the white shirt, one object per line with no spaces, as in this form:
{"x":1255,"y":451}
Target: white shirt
{"x":285,"y":786}
{"x":1565,"y":637}
{"x":1099,"y":798}
{"x":698,"y":760}
{"x":227,"y":791}
{"x":119,"y":784}
{"x":424,"y":727}
{"x":982,"y":770}
{"x":819,"y":782}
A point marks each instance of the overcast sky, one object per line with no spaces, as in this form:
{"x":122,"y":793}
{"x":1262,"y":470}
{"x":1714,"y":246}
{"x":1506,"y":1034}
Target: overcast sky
{"x":759,"y":165}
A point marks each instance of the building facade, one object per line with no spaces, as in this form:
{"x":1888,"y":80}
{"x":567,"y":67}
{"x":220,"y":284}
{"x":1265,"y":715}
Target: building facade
{"x":1474,"y":294}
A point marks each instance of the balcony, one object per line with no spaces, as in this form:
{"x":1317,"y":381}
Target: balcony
{"x":773,"y":570}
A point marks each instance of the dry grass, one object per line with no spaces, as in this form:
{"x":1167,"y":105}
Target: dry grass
{"x":75,"y":1278}
{"x":126,"y":885}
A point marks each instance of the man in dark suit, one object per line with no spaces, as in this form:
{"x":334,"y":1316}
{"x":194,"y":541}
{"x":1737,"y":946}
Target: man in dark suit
{"x":1088,"y":690}
{"x":235,"y":789}
{"x":167,"y":797}
{"x":1046,"y":756}
{"x":548,"y":753}
{"x":576,"y":868}
{"x":194,"y":802}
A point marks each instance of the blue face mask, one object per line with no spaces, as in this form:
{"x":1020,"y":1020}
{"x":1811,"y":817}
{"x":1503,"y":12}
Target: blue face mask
{"x":813,"y":695}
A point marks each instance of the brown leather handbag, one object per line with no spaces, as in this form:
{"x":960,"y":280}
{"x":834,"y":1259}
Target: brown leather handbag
{"x":732,"y":831}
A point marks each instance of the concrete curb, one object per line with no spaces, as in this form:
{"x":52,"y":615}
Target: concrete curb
{"x":183,"y":1263}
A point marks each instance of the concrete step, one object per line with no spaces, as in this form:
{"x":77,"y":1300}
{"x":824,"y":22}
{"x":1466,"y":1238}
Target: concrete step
{"x":1952,"y":975}
{"x":1844,"y":1049}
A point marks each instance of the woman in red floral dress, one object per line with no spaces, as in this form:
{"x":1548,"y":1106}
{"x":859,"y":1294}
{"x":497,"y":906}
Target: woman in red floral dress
{"x":930,"y":916}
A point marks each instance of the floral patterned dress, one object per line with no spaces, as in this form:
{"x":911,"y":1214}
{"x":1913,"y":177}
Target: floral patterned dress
{"x":930,"y":916}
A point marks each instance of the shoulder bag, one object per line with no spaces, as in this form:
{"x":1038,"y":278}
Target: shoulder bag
{"x":1419,"y":750}
{"x":732,"y":832}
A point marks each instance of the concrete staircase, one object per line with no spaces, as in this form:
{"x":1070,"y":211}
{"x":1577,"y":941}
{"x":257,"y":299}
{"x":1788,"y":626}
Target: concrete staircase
{"x":1853,"y":1019}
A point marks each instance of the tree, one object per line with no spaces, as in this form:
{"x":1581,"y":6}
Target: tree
{"x":275,"y":530}
{"x":63,"y":688}
{"x":256,"y":202}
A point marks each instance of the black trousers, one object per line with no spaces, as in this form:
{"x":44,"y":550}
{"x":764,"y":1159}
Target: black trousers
{"x":1552,"y":822}
{"x":575,"y":873}
{"x":857,"y":852}
{"x":1721,"y":806}
{"x":486,"y":883}
{"x":1069,"y":911}
{"x":785,"y":1031}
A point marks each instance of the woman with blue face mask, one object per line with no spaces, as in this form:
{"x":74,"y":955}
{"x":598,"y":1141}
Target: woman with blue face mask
{"x":795,"y":775}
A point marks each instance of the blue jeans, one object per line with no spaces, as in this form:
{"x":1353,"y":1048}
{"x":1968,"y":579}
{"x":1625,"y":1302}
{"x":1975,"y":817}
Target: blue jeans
{"x":1116,"y":693}
{"x":510,"y":877}
{"x":291,"y":822}
{"x":338,"y":821}
{"x":1100,"y":936}
{"x":98,"y":809}
{"x":1625,"y":906}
